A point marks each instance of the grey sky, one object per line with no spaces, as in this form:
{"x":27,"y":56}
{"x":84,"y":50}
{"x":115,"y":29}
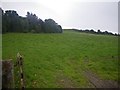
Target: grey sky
{"x":71,"y":14}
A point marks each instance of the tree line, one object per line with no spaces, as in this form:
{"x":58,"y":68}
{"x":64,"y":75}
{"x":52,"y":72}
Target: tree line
{"x":96,"y":32}
{"x":12,"y":22}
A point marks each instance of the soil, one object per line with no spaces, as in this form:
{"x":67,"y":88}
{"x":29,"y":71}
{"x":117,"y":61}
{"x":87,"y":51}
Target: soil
{"x":64,"y":81}
{"x":99,"y":83}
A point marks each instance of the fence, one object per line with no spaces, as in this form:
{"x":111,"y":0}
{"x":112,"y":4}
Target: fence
{"x":8,"y":72}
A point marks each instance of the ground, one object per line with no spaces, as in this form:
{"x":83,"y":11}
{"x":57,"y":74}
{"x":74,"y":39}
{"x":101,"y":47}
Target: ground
{"x":69,"y":59}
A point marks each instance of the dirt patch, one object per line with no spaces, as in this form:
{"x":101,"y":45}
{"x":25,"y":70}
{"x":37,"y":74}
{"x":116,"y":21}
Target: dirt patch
{"x":64,"y":82}
{"x":98,"y":83}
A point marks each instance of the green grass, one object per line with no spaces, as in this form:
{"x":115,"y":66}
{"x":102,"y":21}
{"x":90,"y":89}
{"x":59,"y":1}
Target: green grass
{"x":56,"y":60}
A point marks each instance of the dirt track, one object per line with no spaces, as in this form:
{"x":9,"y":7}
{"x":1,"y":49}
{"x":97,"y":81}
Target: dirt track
{"x":98,"y":83}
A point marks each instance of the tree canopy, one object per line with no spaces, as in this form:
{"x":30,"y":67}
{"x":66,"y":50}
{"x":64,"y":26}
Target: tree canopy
{"x":12,"y":22}
{"x":51,"y":26}
{"x":95,"y":32}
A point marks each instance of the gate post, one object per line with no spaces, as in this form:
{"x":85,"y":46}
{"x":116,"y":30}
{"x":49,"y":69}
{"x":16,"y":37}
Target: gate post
{"x":0,"y":74}
{"x":7,"y":74}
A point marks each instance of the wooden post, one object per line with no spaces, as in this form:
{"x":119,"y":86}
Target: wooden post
{"x":7,"y":74}
{"x":20,"y":64}
{"x":0,"y":74}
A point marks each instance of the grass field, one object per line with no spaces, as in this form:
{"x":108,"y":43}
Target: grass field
{"x":58,"y":60}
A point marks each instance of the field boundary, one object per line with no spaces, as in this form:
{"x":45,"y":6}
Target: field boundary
{"x":8,"y":72}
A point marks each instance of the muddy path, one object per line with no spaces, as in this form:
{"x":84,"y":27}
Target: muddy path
{"x":91,"y":78}
{"x":65,"y":82}
{"x":99,"y":83}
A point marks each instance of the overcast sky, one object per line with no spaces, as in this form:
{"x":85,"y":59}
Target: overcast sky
{"x":80,"y":14}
